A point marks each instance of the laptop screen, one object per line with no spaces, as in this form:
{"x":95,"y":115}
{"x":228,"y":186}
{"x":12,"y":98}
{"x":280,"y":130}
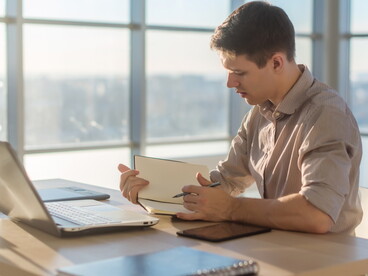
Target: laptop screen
{"x":19,"y":200}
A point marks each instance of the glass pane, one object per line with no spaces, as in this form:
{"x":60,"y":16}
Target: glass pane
{"x":186,"y":87}
{"x":359,"y":19}
{"x":363,"y":177}
{"x":300,"y":13}
{"x":79,"y":10}
{"x":3,"y":98}
{"x":359,"y":81}
{"x":304,"y":51}
{"x":189,"y":13}
{"x":2,"y":7}
{"x":76,"y":85}
{"x":42,"y":166}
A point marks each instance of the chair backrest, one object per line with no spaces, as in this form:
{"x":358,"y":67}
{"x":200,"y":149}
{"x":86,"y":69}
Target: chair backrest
{"x":362,"y":229}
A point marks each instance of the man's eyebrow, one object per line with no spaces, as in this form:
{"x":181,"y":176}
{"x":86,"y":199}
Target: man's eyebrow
{"x":236,"y":70}
{"x":229,"y":68}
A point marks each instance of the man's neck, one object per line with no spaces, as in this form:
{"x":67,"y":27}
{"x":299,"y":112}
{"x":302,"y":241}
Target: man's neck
{"x":289,"y":77}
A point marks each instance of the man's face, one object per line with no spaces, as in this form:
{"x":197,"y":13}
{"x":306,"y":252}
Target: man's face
{"x":253,"y":84}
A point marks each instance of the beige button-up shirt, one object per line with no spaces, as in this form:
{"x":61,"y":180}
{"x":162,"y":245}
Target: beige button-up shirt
{"x":309,"y":144}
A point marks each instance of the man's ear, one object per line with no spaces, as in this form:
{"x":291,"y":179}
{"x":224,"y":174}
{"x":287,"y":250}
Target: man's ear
{"x":277,"y":61}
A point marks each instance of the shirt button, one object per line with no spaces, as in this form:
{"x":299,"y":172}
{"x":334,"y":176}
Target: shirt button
{"x":277,"y":114}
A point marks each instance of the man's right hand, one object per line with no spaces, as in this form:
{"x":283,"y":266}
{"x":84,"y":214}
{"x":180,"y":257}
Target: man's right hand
{"x":130,"y":184}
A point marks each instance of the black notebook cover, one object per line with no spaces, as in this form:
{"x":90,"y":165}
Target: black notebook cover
{"x":175,"y":261}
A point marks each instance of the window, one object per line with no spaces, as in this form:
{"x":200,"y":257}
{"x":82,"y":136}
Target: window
{"x":76,"y":61}
{"x":113,"y":11}
{"x":80,"y":66}
{"x":186,"y":93}
{"x":187,"y":13}
{"x":3,"y":98}
{"x":2,"y":8}
{"x":79,"y":77}
{"x":359,"y":75}
{"x":187,"y":97}
{"x":358,"y":64}
{"x":359,"y":81}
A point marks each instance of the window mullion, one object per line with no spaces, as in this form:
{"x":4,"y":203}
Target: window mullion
{"x":15,"y":95}
{"x":317,"y":42}
{"x":331,"y":43}
{"x":344,"y":50}
{"x":137,"y":79}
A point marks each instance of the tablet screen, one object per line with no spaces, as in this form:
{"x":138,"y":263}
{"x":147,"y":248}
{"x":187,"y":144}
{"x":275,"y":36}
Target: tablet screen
{"x":223,"y":231}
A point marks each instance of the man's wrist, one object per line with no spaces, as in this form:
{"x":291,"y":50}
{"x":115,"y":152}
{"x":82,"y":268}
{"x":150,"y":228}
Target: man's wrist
{"x":236,"y":209}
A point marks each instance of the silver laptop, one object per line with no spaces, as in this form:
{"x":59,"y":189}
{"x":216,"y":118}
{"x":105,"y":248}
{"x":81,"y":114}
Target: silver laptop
{"x":21,"y":202}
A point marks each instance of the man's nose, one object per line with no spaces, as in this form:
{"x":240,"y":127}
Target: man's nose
{"x":231,"y":81}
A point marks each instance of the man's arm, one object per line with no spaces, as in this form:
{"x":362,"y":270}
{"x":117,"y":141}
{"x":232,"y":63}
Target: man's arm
{"x":291,"y":212}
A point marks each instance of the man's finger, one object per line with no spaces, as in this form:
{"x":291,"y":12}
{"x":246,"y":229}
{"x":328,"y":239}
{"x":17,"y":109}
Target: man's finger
{"x":133,"y":193}
{"x":202,"y":180}
{"x":122,"y":168}
{"x":192,"y":189}
{"x":125,"y":175}
{"x":190,"y":206}
{"x":190,"y":198}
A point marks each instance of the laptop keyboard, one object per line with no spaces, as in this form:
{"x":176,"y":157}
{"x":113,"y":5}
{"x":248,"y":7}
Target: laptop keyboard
{"x":76,"y":214}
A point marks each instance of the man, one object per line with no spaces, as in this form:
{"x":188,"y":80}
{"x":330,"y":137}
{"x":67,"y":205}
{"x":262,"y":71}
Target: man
{"x":299,"y":143}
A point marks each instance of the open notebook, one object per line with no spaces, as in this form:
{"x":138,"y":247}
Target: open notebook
{"x":166,"y":179}
{"x":22,"y":203}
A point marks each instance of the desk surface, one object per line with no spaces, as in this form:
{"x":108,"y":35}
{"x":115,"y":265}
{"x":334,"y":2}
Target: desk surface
{"x":27,"y":251}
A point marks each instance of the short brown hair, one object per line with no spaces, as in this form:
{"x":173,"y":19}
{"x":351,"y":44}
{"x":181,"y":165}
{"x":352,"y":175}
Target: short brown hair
{"x":258,"y":30}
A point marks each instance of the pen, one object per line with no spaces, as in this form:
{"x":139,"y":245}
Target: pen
{"x":211,"y":185}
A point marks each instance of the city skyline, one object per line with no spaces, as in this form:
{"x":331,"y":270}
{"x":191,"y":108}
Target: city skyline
{"x":83,"y":109}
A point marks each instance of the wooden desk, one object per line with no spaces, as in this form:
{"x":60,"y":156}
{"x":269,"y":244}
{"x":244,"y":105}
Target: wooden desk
{"x":27,"y":251}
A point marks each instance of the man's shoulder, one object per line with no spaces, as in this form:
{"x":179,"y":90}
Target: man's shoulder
{"x":325,"y":108}
{"x":322,"y":96}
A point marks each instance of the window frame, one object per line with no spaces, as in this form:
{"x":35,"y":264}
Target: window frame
{"x":15,"y":97}
{"x":348,"y":37}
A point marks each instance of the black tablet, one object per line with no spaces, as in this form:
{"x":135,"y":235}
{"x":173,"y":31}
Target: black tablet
{"x":223,"y":231}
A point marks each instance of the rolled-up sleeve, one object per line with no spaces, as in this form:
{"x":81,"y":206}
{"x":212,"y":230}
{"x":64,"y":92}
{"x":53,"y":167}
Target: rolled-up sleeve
{"x":326,"y":159}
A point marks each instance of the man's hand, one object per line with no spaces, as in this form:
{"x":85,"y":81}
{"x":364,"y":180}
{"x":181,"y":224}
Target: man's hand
{"x":130,"y":184}
{"x":292,"y":212}
{"x":211,"y":204}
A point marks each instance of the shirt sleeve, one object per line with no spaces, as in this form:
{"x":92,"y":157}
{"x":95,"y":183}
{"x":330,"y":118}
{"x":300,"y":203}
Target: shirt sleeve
{"x":331,"y":145}
{"x":233,"y":172}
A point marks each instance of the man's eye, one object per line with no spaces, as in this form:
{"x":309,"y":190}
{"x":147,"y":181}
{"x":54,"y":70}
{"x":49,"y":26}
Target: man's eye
{"x":239,"y":73}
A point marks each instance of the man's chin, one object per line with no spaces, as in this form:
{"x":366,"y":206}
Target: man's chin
{"x":250,"y":102}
